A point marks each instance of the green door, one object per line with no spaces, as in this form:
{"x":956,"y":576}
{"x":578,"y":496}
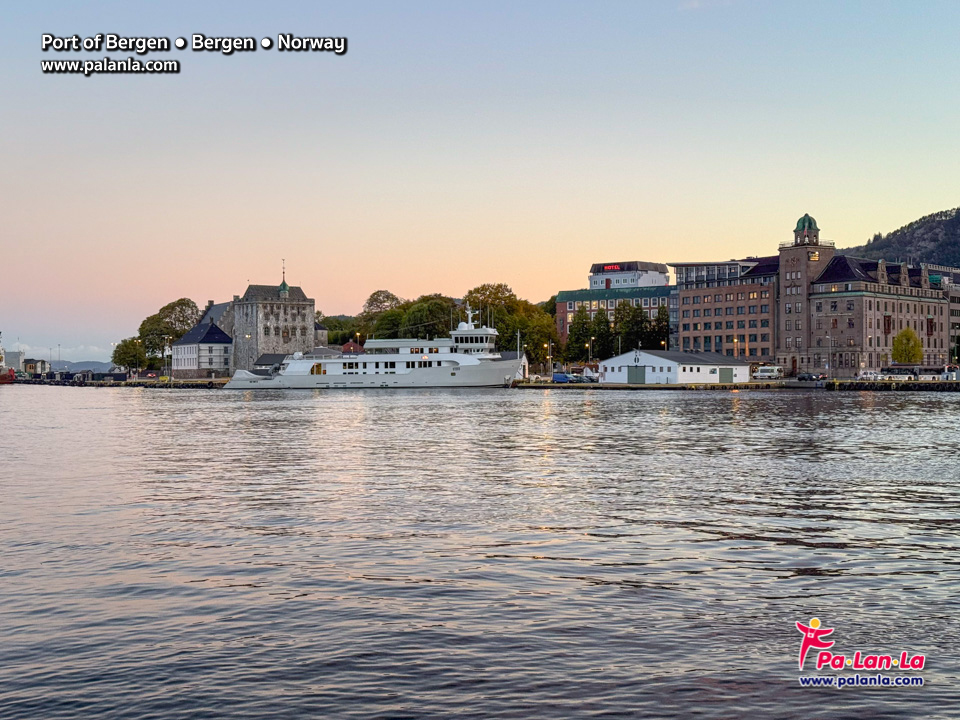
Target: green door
{"x":636,"y":375}
{"x":726,"y":375}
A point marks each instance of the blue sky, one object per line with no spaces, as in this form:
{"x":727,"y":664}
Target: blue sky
{"x":454,"y":144}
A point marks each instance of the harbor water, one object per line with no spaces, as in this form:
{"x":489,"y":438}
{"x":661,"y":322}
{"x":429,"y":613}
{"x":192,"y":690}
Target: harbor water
{"x":479,"y":554}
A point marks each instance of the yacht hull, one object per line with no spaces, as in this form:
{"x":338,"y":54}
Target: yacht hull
{"x":495,"y":373}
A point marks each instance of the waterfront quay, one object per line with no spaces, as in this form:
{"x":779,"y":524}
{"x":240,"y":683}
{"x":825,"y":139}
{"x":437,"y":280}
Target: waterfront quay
{"x":831,"y":385}
{"x":217,"y":383}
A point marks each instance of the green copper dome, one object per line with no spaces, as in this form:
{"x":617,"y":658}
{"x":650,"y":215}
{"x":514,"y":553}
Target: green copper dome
{"x":806,"y":223}
{"x":284,"y":287}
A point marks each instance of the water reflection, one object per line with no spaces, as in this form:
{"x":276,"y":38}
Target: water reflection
{"x":495,"y":554}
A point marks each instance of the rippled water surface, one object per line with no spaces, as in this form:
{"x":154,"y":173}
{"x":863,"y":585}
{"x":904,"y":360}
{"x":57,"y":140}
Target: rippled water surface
{"x":515,"y":554}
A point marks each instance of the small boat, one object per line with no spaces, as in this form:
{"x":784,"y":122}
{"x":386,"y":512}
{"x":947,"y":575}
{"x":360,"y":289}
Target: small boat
{"x":466,"y":359}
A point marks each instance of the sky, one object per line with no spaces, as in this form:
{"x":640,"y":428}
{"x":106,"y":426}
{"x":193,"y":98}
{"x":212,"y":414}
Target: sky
{"x":455,"y":143}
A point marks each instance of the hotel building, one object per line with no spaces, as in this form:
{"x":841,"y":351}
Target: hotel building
{"x":640,"y":284}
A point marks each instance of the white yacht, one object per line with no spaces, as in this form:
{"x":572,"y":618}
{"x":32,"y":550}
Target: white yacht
{"x":468,"y":358}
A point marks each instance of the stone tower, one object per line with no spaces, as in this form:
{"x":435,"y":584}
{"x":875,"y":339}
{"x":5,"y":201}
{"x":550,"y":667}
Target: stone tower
{"x":801,"y":262}
{"x":271,"y":319}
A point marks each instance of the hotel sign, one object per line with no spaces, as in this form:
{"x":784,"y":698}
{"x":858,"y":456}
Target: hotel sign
{"x":611,"y":267}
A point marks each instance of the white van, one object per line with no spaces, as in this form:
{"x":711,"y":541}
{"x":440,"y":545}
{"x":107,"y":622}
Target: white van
{"x":768,"y":372}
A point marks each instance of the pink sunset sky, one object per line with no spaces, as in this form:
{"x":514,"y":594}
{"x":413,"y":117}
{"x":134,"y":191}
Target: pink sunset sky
{"x":454,"y":144}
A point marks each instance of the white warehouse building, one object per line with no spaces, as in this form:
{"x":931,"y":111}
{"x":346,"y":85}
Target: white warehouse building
{"x":665,"y":367}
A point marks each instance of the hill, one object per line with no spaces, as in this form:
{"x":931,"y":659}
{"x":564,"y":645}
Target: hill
{"x":933,"y":239}
{"x":94,"y":365}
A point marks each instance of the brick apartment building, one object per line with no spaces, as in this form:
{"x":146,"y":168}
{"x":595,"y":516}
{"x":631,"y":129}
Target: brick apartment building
{"x":729,"y":307}
{"x":809,"y":309}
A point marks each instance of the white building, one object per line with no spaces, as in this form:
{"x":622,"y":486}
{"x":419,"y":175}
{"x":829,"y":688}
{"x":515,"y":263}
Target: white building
{"x":14,"y":359}
{"x":628,"y":275}
{"x":203,"y":352}
{"x":659,"y":367}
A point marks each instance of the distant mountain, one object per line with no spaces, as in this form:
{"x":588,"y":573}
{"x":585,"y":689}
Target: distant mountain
{"x":66,"y":365}
{"x":933,"y":239}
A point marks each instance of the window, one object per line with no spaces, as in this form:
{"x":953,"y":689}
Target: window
{"x":764,"y":308}
{"x":799,"y":307}
{"x":849,"y":305}
{"x":787,"y":308}
{"x":789,"y":325}
{"x":833,"y":306}
{"x":798,"y":324}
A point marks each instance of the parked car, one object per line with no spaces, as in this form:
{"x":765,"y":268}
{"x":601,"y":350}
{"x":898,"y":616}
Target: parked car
{"x":806,"y":377}
{"x":869,"y":375}
{"x":561,"y":377}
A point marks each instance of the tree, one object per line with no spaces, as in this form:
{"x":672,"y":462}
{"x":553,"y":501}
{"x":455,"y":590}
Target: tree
{"x":907,"y":347}
{"x":389,"y":324}
{"x":631,"y":325}
{"x":154,"y":333}
{"x":491,"y":295}
{"x":550,"y":306}
{"x":578,"y":335}
{"x":181,"y":315}
{"x":661,"y":329}
{"x":427,"y":317}
{"x":168,"y":325}
{"x":129,"y":354}
{"x":603,"y":343}
{"x":380,"y":301}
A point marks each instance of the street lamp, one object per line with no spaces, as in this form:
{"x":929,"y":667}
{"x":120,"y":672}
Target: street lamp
{"x":358,"y":338}
{"x":549,"y":347}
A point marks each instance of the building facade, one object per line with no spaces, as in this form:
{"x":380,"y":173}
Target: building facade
{"x":14,"y":359}
{"x":271,"y":319}
{"x":610,"y":276}
{"x":650,"y":299}
{"x":810,"y":309}
{"x":204,"y":352}
{"x":654,"y":367}
{"x":728,"y":307}
{"x":839,"y":314}
{"x":36,"y":366}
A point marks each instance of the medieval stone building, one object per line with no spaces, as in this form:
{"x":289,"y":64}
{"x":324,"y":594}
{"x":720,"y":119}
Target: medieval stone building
{"x":271,"y":319}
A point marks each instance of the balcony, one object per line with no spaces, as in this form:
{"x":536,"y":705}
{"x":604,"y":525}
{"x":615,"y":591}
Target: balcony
{"x":821,"y":243}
